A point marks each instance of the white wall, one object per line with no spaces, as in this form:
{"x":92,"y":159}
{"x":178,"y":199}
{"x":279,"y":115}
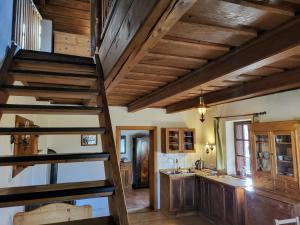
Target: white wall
{"x":279,"y":107}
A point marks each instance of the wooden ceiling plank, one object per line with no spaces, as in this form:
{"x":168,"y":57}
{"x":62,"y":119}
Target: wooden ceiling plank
{"x":212,"y":33}
{"x":146,"y":76}
{"x":164,"y":70}
{"x":173,"y":61}
{"x":187,"y":48}
{"x":169,"y":18}
{"x":284,"y":81}
{"x":272,"y":8}
{"x":285,"y":43}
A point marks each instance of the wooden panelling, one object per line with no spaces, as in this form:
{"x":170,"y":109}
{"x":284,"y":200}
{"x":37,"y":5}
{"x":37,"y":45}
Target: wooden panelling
{"x":72,"y":44}
{"x":213,"y":34}
{"x":189,"y":49}
{"x":163,"y":70}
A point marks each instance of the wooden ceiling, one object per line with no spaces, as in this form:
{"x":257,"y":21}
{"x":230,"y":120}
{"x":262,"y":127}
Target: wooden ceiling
{"x":67,"y":16}
{"x":216,"y":46}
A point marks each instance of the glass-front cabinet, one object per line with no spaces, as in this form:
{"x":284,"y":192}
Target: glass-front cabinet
{"x":275,"y":153}
{"x":178,"y":140}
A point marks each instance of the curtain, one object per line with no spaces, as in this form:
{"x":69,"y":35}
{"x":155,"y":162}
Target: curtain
{"x":219,"y":127}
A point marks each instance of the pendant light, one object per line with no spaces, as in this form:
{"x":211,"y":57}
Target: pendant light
{"x":202,"y":107}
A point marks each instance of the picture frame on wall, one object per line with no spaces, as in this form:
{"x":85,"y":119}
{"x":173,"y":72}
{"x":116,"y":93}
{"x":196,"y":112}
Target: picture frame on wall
{"x":123,"y":145}
{"x":89,"y":140}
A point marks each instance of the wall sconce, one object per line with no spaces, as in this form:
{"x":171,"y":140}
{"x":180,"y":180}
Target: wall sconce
{"x":209,"y":147}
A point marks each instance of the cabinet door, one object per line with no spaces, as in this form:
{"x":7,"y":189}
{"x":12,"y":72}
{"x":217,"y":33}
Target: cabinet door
{"x":216,"y":199}
{"x":285,"y":155}
{"x":198,"y":193}
{"x":188,"y":193}
{"x":173,"y":140}
{"x":204,"y":195}
{"x":230,"y":205}
{"x":176,"y":202}
{"x":187,"y":140}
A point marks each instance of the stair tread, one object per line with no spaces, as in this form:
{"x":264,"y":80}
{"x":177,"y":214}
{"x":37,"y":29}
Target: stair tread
{"x":17,"y":196}
{"x":49,"y":109}
{"x":108,"y":220}
{"x":51,"y":92}
{"x":51,"y":130}
{"x":47,"y":56}
{"x":41,"y":73}
{"x":52,"y":158}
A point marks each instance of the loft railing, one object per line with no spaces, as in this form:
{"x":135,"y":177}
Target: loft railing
{"x":27,"y":25}
{"x":101,"y":13}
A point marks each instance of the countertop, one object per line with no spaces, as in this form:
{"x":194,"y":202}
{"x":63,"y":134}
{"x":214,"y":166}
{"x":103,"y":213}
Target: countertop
{"x":224,"y":179}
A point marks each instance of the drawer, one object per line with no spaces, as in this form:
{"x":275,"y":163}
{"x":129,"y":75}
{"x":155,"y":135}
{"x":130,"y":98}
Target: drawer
{"x":265,"y":183}
{"x":280,"y":185}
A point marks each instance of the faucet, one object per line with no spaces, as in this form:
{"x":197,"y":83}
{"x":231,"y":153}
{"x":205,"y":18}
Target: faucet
{"x":175,"y":165}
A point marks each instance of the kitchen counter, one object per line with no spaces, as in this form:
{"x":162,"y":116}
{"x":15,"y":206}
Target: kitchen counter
{"x":224,"y":179}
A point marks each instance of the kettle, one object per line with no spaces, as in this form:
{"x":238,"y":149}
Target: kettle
{"x":199,"y":164}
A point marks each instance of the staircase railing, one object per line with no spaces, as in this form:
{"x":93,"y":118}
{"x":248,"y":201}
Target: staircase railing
{"x":26,"y":25}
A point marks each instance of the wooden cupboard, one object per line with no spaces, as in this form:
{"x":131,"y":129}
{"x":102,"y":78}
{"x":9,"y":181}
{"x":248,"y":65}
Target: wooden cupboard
{"x":264,"y":207}
{"x":177,"y":193}
{"x":275,"y":157}
{"x":126,"y":174}
{"x":221,"y":203}
{"x":177,"y":140}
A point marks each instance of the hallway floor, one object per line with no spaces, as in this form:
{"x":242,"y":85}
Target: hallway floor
{"x":158,"y":218}
{"x":137,"y":199}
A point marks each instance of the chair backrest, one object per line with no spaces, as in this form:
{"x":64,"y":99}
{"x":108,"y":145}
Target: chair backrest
{"x":288,"y":221}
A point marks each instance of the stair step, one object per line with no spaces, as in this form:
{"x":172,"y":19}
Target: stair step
{"x":53,"y":158}
{"x":53,"y":78}
{"x":35,"y":65}
{"x":52,"y":130}
{"x":48,"y":109}
{"x":19,"y":196}
{"x":53,"y":57}
{"x":51,"y":92}
{"x":93,"y":221}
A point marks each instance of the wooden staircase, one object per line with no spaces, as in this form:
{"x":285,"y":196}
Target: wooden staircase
{"x":77,"y":84}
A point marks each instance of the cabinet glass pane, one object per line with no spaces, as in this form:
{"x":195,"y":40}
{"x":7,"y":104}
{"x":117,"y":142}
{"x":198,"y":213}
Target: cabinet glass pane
{"x":284,"y":156}
{"x":174,"y":140}
{"x":188,"y":140}
{"x":263,"y":157}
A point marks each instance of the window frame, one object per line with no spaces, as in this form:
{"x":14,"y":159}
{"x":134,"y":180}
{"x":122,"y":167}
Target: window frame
{"x":236,"y":155}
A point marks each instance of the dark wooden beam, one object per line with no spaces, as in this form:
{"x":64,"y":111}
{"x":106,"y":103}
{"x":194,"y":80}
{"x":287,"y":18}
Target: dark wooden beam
{"x":257,"y":53}
{"x":280,"y":82}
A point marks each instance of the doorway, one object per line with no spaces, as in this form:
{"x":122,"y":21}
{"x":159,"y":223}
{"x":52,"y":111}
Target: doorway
{"x":136,"y":148}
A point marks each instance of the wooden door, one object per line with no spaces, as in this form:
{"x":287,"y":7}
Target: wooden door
{"x":216,"y":200}
{"x":198,"y":193}
{"x":173,"y":140}
{"x":176,"y":203}
{"x":188,"y":189}
{"x":187,"y":137}
{"x":230,"y":212}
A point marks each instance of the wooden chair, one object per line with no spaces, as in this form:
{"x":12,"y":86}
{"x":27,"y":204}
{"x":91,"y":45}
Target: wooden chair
{"x":288,"y":221}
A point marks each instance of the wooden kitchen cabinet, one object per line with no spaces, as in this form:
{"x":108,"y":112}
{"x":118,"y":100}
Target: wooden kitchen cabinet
{"x":223,"y":204}
{"x":177,"y":140}
{"x":177,"y":193}
{"x":275,"y":157}
{"x":126,"y":174}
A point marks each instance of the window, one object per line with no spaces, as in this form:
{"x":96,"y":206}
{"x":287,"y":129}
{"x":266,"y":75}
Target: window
{"x":242,"y":148}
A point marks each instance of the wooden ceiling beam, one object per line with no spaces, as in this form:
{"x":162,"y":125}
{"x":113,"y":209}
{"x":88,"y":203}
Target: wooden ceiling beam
{"x":257,"y":53}
{"x":279,"y":82}
{"x":168,"y":19}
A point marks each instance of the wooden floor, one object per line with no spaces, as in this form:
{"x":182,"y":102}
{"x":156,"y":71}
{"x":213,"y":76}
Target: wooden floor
{"x":157,"y":218}
{"x":137,"y":199}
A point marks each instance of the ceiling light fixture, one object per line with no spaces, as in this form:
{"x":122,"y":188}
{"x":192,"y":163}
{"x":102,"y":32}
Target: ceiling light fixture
{"x":202,"y":107}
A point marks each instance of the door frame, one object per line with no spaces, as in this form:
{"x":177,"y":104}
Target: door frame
{"x":152,"y":158}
